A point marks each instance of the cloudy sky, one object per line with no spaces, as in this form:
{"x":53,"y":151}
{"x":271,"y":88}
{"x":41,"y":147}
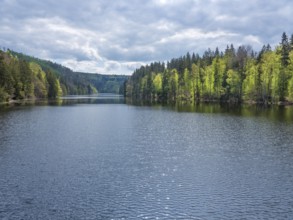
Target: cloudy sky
{"x":116,"y":37}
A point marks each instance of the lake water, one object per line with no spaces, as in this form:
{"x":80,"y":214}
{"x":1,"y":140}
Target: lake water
{"x":98,"y":158}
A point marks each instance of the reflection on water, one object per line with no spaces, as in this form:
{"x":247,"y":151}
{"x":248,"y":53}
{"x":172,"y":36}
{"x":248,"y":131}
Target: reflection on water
{"x":93,"y":99}
{"x":274,"y":112}
{"x":104,"y":98}
{"x":277,"y":113}
{"x":84,"y":158}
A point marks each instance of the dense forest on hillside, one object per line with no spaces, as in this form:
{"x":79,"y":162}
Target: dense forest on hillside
{"x":234,"y":75}
{"x":26,"y":77}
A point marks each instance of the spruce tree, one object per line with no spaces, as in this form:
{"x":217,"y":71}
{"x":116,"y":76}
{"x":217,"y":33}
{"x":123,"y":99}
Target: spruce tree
{"x":285,"y":49}
{"x":283,"y":80}
{"x":291,"y":42}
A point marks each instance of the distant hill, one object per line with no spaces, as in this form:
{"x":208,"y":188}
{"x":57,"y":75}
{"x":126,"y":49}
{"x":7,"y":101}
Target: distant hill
{"x":75,"y":83}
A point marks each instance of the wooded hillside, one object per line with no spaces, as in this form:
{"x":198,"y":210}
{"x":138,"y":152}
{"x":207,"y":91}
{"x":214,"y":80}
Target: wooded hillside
{"x":26,"y":77}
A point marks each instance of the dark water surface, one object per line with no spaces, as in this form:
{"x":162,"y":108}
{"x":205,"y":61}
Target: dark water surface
{"x":98,"y":158}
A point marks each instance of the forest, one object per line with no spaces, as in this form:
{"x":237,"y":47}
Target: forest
{"x":235,"y":75}
{"x":26,"y":77}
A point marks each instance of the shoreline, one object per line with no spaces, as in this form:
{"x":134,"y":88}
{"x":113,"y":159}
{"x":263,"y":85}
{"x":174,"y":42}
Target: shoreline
{"x":24,"y":101}
{"x":147,"y":102}
{"x":213,"y":101}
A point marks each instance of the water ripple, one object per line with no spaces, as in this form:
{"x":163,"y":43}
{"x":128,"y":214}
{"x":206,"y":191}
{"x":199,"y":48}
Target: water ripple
{"x":122,"y":162}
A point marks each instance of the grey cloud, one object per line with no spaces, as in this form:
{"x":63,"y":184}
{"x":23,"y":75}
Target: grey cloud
{"x":112,"y":66}
{"x":118,"y":36}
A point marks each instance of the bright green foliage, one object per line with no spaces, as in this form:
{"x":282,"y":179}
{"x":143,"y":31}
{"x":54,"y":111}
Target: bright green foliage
{"x":209,"y":88}
{"x":185,"y":92}
{"x":270,"y":70}
{"x":290,"y":89}
{"x":25,"y":77}
{"x":195,"y":81}
{"x":290,"y":74}
{"x":232,"y":76}
{"x":251,"y":83}
{"x":234,"y":83}
{"x":40,"y":81}
{"x":173,"y":84}
{"x":158,"y":85}
{"x":219,"y":68}
{"x":76,"y":83}
{"x":22,"y":80}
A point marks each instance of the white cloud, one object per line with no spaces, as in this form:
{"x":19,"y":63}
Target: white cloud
{"x":195,"y":34}
{"x":250,"y":39}
{"x":80,"y":66}
{"x":106,"y":67}
{"x":166,"y":2}
{"x":116,"y":37}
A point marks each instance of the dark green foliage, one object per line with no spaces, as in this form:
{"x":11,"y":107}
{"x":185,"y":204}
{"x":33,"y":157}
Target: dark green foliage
{"x":16,"y":78}
{"x":6,"y":80}
{"x":3,"y":95}
{"x":285,"y":60}
{"x":103,"y":83}
{"x":76,"y":83}
{"x":285,"y":49}
{"x":25,"y":77}
{"x":53,"y":85}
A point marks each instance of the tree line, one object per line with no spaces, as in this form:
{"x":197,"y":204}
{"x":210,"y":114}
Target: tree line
{"x":78,"y":83}
{"x":22,"y":80}
{"x":26,"y":77}
{"x":234,"y":75}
